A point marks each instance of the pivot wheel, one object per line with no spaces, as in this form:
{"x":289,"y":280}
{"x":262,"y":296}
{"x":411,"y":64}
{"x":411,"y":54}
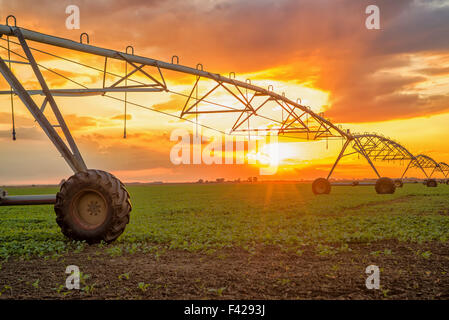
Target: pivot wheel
{"x":398,"y":183}
{"x":431,"y":183}
{"x":385,"y":186}
{"x":93,"y":206}
{"x":321,"y":186}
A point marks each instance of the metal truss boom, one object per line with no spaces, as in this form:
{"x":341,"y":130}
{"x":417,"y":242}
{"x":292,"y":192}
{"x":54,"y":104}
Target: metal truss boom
{"x":324,"y":125}
{"x":249,"y":101}
{"x":374,"y":147}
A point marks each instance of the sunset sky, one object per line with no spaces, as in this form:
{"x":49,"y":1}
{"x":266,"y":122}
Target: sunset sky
{"x":393,"y":81}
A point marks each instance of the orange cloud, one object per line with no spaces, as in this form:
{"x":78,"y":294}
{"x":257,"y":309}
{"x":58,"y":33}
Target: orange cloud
{"x":368,"y":75}
{"x":324,"y":42}
{"x":175,"y":103}
{"x":121,"y":117}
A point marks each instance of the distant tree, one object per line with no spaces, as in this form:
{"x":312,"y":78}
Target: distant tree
{"x":200,"y":181}
{"x":254,"y":179}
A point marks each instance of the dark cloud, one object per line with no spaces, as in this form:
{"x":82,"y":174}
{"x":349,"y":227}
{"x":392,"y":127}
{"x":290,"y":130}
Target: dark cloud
{"x":415,"y":28}
{"x":137,"y":152}
{"x":23,"y":133}
{"x":6,"y":118}
{"x":325,"y":43}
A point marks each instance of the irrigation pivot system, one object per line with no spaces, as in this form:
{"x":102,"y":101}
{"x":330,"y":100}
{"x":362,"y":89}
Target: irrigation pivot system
{"x":93,"y":205}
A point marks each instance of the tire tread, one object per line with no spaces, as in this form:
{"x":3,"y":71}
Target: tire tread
{"x":120,"y":202}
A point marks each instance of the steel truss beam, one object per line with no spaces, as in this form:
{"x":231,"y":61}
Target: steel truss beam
{"x":374,"y":147}
{"x":247,"y":108}
{"x":444,"y":168}
{"x":296,"y":112}
{"x":86,"y":92}
{"x":299,"y":119}
{"x":425,"y":162}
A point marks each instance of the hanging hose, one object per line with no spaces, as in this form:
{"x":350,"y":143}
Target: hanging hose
{"x":198,"y":66}
{"x":126,"y":94}
{"x":12,"y":97}
{"x":248,"y":113}
{"x":196,"y":112}
{"x":126,"y":100}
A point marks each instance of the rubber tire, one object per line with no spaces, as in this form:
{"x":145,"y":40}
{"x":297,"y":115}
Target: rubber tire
{"x":321,"y":186}
{"x":117,"y":200}
{"x":398,"y":183}
{"x":432,"y":183}
{"x":385,"y":186}
{"x":447,"y":181}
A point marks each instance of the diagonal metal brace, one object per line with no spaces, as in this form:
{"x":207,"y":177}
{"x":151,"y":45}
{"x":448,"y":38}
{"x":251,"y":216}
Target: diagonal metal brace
{"x":40,"y":118}
{"x":77,"y":155}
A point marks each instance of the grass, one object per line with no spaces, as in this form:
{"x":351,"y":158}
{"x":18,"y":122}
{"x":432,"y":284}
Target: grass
{"x":205,"y":217}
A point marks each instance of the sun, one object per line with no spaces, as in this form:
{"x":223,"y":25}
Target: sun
{"x":276,"y":153}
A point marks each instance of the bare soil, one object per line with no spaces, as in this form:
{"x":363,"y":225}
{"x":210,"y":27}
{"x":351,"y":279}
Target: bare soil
{"x":266,"y":273}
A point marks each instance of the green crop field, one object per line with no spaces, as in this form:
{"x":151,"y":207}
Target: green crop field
{"x":208,"y":217}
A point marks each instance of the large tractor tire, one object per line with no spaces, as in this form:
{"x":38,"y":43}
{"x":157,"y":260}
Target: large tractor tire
{"x":321,"y":186}
{"x":432,"y":183}
{"x":447,"y":181}
{"x":385,"y":186}
{"x":398,"y":183}
{"x":93,"y":206}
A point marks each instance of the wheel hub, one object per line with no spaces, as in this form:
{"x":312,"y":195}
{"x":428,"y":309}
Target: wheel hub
{"x":90,"y":209}
{"x":321,"y":187}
